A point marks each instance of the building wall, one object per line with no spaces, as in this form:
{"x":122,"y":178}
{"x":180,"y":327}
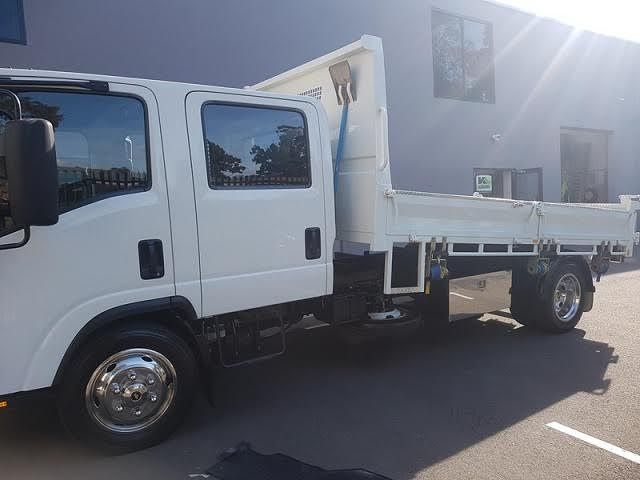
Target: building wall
{"x":546,"y":75}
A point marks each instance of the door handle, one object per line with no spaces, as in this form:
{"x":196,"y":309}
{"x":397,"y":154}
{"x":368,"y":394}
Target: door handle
{"x":312,"y":243}
{"x":151,"y":259}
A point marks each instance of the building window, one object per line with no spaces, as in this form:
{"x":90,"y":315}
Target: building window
{"x":101,"y":146}
{"x":462,"y":58}
{"x":12,"y":28}
{"x":255,"y":147}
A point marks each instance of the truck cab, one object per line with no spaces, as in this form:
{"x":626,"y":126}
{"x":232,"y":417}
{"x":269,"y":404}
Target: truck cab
{"x":229,"y":210}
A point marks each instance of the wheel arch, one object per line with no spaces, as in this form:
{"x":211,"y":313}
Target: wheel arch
{"x":176,"y":313}
{"x":524,"y":283}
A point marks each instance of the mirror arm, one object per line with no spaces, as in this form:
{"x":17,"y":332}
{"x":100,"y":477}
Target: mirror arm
{"x":21,"y":243}
{"x":16,"y":101}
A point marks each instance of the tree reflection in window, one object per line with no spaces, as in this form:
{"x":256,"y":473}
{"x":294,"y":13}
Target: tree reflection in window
{"x":462,"y":58}
{"x":255,"y":147}
{"x":224,"y":165}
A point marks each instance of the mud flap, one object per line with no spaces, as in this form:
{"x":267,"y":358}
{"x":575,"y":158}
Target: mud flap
{"x":588,"y":301}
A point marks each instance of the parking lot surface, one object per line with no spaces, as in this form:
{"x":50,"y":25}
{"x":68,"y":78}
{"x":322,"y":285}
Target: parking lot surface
{"x":472,"y":402}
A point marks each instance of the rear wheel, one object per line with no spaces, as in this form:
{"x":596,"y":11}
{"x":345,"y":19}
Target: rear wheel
{"x":553,"y":304}
{"x":128,"y":388}
{"x":562,"y":300}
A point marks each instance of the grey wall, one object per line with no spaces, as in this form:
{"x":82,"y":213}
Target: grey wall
{"x":547,"y":76}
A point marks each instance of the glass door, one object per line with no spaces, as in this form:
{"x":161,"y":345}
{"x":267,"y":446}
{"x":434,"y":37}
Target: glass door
{"x":527,"y":184}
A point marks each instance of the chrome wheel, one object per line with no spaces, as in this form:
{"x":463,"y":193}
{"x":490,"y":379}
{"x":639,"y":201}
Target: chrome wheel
{"x":566,"y":297}
{"x":131,"y":390}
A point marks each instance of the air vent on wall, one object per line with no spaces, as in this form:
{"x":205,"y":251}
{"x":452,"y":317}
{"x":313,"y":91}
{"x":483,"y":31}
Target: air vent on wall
{"x":315,"y":92}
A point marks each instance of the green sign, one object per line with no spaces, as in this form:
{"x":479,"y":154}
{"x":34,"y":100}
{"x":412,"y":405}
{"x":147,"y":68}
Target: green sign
{"x":484,"y":183}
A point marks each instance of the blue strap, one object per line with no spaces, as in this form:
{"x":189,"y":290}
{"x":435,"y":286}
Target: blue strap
{"x":340,"y":148}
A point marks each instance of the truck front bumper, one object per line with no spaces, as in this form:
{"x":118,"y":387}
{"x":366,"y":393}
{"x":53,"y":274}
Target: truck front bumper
{"x":20,"y":400}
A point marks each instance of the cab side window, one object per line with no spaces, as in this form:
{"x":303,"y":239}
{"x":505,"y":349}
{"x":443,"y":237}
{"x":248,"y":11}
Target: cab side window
{"x":101,"y":145}
{"x":255,"y":147}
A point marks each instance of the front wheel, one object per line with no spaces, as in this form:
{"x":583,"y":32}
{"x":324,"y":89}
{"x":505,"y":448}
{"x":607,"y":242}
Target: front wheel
{"x":128,"y":388}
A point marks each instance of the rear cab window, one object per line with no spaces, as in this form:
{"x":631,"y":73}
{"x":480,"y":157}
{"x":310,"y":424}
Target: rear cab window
{"x":255,"y":147}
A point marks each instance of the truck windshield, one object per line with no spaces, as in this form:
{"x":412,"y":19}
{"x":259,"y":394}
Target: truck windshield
{"x":101,"y":145}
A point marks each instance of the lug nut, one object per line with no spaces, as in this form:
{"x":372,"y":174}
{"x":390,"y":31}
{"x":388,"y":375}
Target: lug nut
{"x":151,"y":380}
{"x":119,"y":408}
{"x":115,"y":388}
{"x":153,"y":397}
{"x":137,"y":412}
{"x":132,"y":375}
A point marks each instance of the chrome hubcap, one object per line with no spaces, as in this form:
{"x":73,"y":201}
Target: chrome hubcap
{"x":131,"y":390}
{"x":566,"y":298}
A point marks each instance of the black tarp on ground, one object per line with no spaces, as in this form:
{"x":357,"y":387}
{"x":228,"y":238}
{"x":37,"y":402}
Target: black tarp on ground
{"x":244,"y":463}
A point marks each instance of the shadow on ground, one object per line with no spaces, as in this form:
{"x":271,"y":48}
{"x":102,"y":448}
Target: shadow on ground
{"x":415,"y":402}
{"x":395,"y":407}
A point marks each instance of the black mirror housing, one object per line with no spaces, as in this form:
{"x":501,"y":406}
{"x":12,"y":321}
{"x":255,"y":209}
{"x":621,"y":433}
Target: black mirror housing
{"x":32,"y":171}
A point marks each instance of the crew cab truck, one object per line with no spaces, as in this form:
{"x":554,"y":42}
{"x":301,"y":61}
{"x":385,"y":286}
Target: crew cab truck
{"x":152,"y":231}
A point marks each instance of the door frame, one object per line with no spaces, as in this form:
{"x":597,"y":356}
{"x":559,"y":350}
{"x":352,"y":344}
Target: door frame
{"x":605,"y":134}
{"x":496,"y":173}
{"x":241,"y":290}
{"x":517,"y":171}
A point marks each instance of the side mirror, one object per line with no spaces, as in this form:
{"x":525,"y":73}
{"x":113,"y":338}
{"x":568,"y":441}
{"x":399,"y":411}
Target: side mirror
{"x":32,"y":171}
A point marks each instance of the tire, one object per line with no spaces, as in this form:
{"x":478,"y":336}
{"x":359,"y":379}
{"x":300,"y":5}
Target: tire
{"x":525,"y":297}
{"x":533,"y":300}
{"x":128,"y":388}
{"x":562,"y":298}
{"x":524,"y":312}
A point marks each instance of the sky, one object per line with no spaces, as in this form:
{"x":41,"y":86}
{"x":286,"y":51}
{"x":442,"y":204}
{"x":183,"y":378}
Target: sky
{"x":617,"y":18}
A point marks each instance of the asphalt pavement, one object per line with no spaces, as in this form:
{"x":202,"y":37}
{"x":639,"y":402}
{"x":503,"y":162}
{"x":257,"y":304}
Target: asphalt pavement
{"x":472,"y":402}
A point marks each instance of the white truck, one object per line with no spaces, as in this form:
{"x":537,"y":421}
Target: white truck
{"x":151,"y":231}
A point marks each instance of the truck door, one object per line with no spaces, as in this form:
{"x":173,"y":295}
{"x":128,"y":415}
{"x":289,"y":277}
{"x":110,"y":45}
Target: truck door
{"x":105,"y":251}
{"x":258,"y":180}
